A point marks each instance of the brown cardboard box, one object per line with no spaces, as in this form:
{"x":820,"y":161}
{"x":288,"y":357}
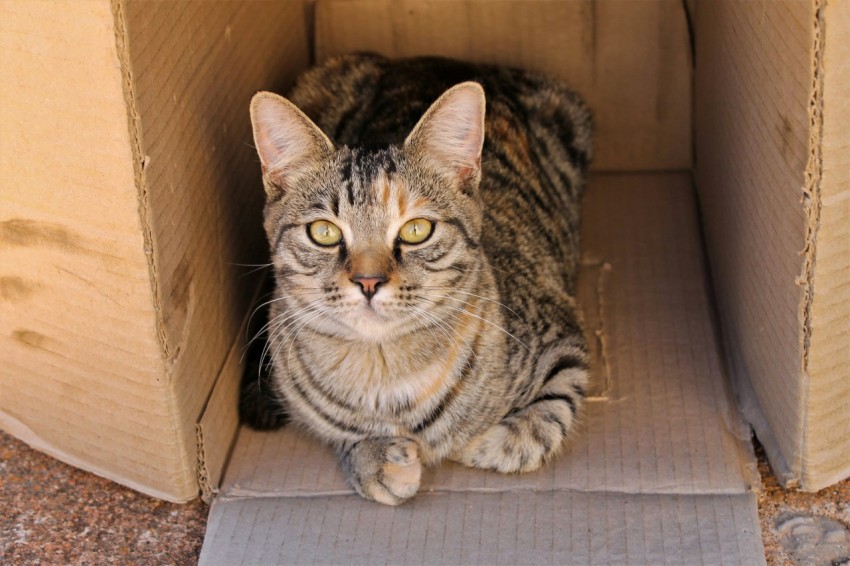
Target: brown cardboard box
{"x":773,"y":174}
{"x":129,"y":195}
{"x":129,"y":201}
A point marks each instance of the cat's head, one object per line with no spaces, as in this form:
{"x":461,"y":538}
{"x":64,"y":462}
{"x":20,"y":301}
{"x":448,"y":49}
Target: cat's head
{"x":368,"y":243}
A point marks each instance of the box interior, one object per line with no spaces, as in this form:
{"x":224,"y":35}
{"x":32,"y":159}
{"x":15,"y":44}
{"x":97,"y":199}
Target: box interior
{"x":664,"y":430}
{"x":662,"y":433}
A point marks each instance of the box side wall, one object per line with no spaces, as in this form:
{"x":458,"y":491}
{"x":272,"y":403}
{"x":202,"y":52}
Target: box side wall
{"x":827,"y":450}
{"x":753,"y":83}
{"x":630,"y":60}
{"x":194,"y":67}
{"x":82,"y":375}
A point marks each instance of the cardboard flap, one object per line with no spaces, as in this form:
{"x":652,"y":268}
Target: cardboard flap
{"x":631,"y":60}
{"x":664,"y":460}
{"x":487,"y":528}
{"x":129,"y":197}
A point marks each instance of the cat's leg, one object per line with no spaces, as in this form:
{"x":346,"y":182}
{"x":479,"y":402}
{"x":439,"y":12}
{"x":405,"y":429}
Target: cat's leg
{"x":530,"y":435}
{"x":387,"y":470}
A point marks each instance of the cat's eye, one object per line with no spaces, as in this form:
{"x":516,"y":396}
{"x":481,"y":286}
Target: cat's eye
{"x":324,"y":233}
{"x":416,"y":231}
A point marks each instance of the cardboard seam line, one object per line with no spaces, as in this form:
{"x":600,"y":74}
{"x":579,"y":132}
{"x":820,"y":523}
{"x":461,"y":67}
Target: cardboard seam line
{"x":238,"y":494}
{"x":603,"y":268}
{"x":140,"y":163}
{"x":811,"y":201}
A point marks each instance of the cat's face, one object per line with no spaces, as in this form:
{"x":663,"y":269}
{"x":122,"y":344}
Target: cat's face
{"x":371,"y":244}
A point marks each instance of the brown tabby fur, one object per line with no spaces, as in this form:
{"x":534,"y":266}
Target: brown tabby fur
{"x":471,"y":348}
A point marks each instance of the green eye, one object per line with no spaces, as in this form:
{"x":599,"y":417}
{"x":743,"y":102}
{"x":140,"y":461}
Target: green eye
{"x":324,"y":233}
{"x":416,"y":231}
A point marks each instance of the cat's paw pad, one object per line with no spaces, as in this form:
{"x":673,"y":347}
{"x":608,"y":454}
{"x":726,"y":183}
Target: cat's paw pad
{"x":387,"y":470}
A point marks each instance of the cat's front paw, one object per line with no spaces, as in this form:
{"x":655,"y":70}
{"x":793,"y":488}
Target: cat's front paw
{"x":387,"y":470}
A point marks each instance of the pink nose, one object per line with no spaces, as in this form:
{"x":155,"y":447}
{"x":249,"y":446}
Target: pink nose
{"x":369,"y":283}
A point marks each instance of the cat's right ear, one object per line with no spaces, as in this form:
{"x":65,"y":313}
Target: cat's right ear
{"x":288,"y":142}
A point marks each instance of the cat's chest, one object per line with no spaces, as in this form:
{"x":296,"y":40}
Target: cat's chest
{"x":385,"y":381}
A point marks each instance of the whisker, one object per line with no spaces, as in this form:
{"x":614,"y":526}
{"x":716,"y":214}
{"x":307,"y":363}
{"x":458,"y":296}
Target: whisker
{"x":493,"y":324}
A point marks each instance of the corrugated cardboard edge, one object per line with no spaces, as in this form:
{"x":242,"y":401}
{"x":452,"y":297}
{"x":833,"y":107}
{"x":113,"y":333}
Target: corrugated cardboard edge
{"x":218,"y":426}
{"x":826,"y":362}
{"x":812,"y":207}
{"x":139,"y":162}
{"x":134,"y":126}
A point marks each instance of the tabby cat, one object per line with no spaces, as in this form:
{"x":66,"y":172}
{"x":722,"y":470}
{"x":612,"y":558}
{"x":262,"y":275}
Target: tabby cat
{"x":425,"y":257}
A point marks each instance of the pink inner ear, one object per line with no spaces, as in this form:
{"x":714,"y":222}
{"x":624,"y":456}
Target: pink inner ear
{"x":451,"y":133}
{"x":288,"y":143}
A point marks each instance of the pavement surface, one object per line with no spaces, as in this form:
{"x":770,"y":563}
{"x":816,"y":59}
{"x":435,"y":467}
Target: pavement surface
{"x":51,"y":513}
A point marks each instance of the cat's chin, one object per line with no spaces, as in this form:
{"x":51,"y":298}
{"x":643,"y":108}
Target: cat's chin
{"x":373,"y":326}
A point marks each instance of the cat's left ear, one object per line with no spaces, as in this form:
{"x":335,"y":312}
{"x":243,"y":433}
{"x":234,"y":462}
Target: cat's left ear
{"x":450,"y":135}
{"x":288,"y":142}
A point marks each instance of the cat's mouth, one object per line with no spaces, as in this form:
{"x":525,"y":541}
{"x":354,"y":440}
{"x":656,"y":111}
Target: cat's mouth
{"x":370,"y":323}
{"x":375,"y":321}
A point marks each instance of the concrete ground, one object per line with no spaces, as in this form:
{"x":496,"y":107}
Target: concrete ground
{"x":52,"y":513}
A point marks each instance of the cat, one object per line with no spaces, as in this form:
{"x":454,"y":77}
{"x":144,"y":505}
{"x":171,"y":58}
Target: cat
{"x":424,"y":253}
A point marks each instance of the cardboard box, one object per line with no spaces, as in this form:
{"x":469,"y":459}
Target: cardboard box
{"x":773,"y":174}
{"x":129,"y":207}
{"x":130,"y":195}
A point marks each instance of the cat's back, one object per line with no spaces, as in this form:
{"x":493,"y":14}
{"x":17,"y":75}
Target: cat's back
{"x":367,"y":99}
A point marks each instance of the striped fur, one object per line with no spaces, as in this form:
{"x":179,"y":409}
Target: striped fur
{"x":472,"y":348}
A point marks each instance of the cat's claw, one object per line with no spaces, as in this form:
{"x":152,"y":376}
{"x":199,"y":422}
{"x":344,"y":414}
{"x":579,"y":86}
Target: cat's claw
{"x":386,"y":470}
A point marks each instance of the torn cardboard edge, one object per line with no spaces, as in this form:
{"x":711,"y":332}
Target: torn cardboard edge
{"x":811,"y":202}
{"x":217,"y":428}
{"x":139,"y":162}
{"x":598,"y":339}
